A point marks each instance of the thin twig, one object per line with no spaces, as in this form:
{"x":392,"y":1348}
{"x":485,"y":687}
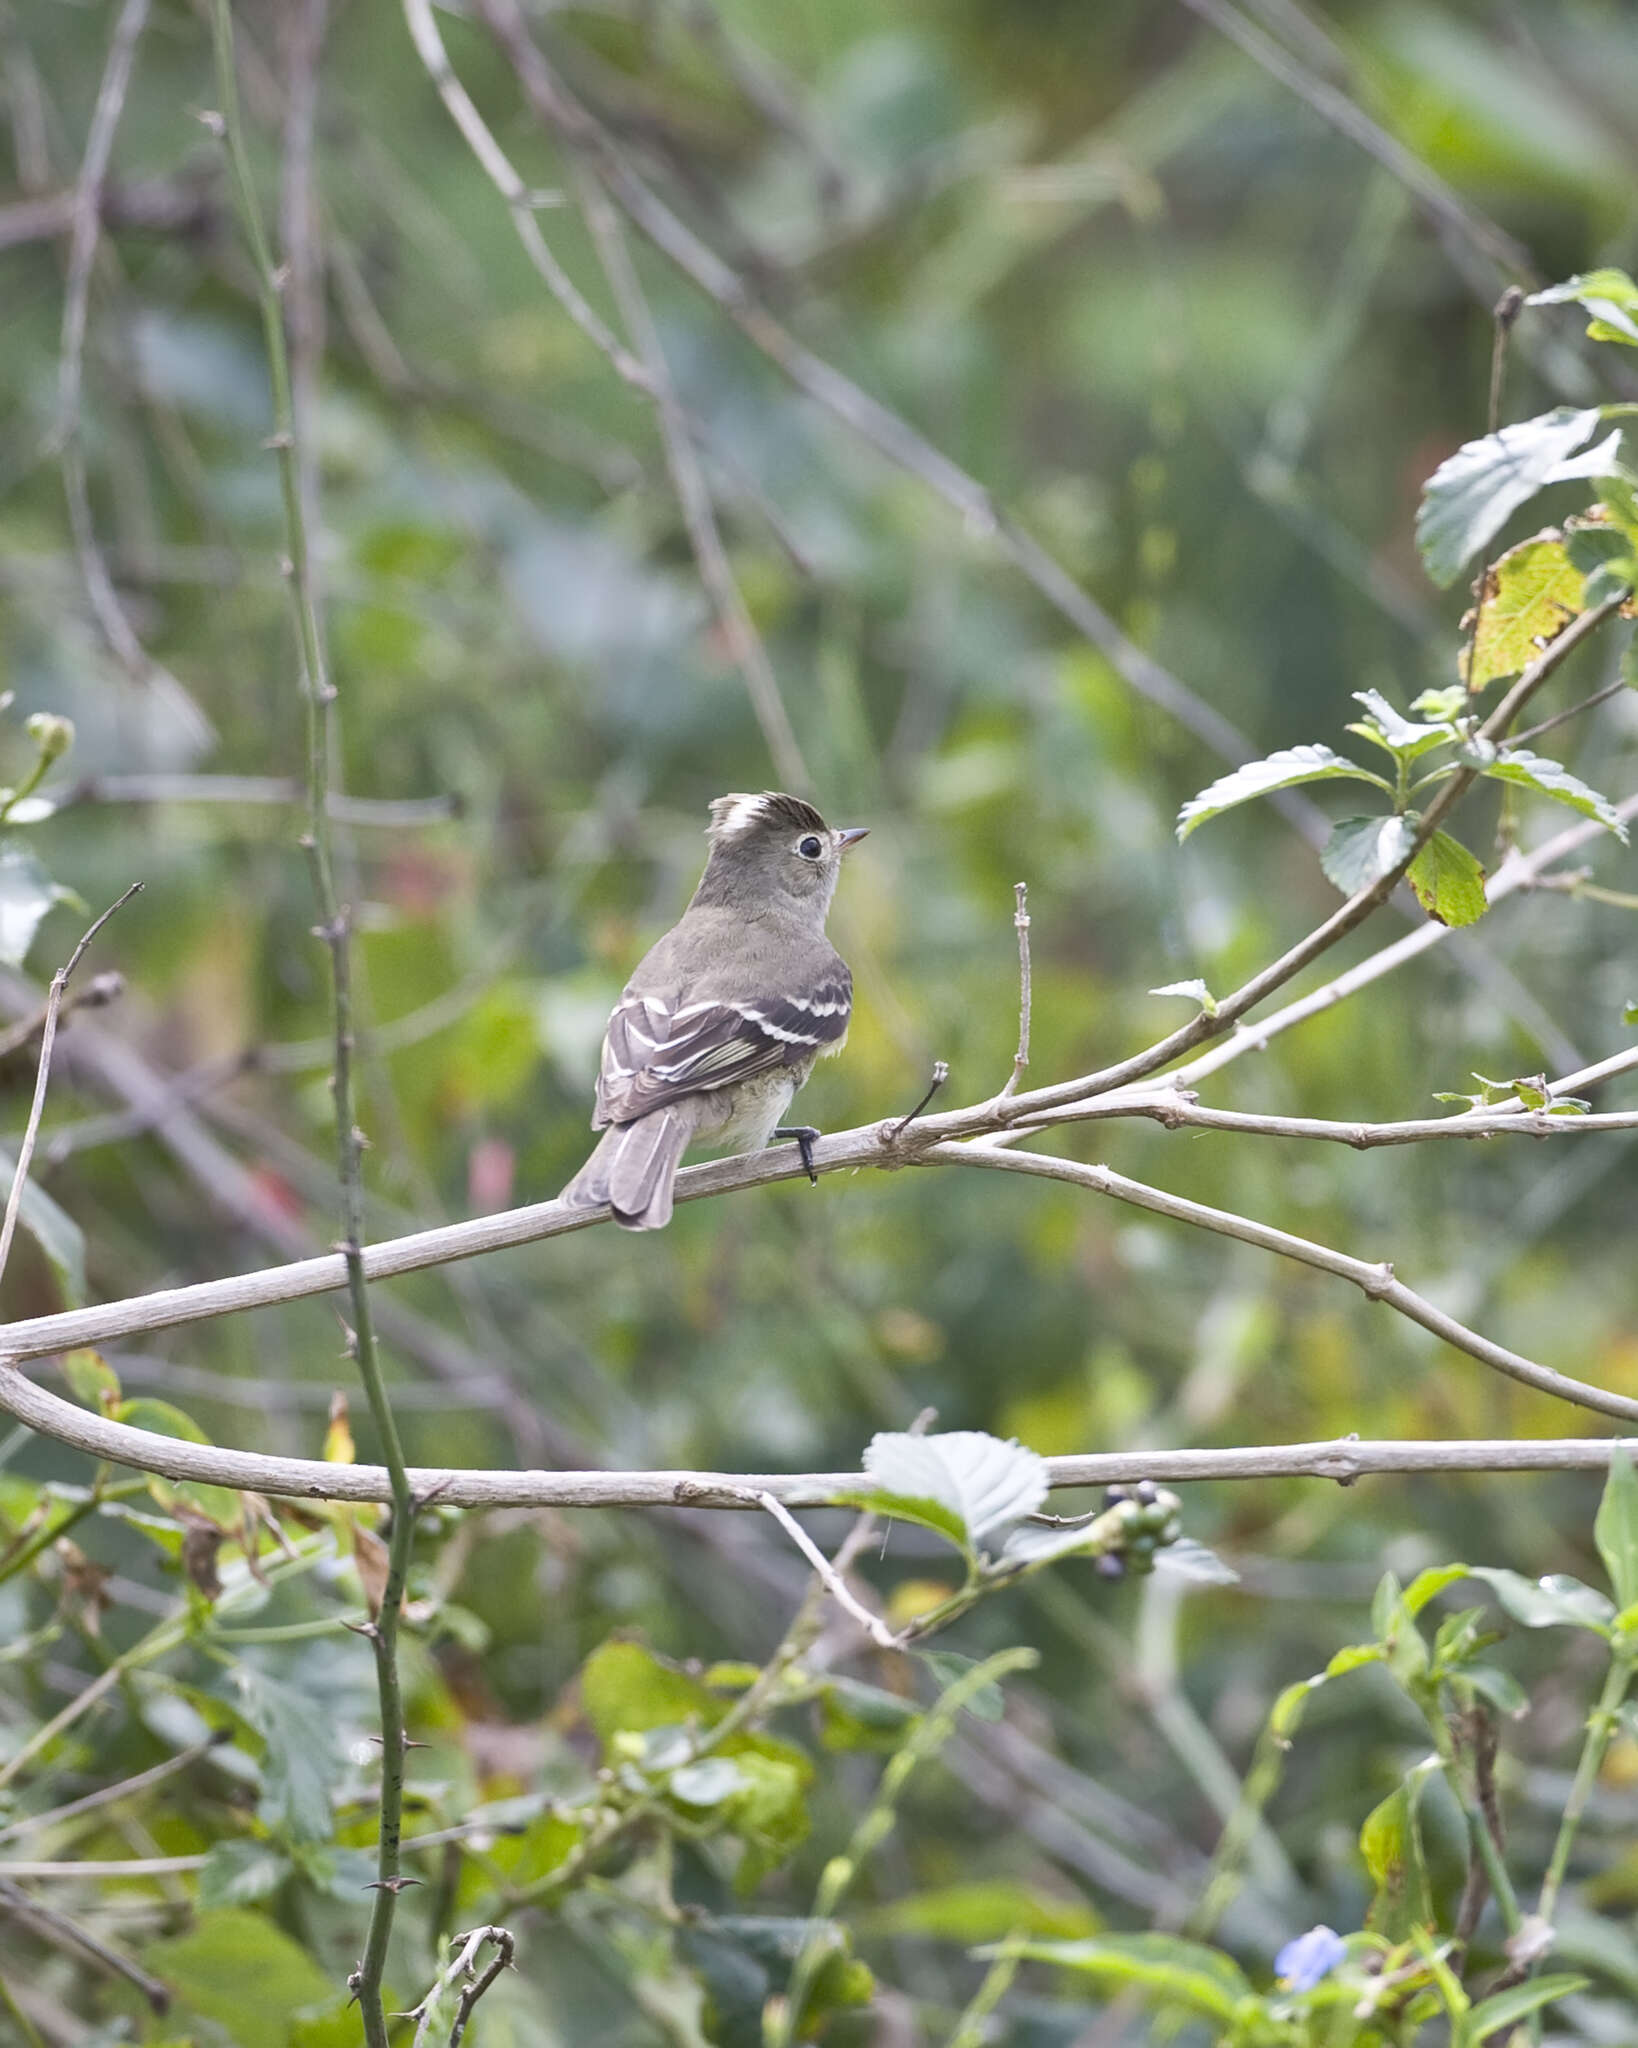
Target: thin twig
{"x":873,"y":422}
{"x":834,"y":1584}
{"x":110,"y":615}
{"x":1430,"y":191}
{"x":1603,"y":696}
{"x":1376,"y":1281}
{"x":387,"y":812}
{"x":1020,"y":919}
{"x":70,"y":1934}
{"x":48,"y":1037}
{"x":468,"y":1947}
{"x":744,"y":643}
{"x":97,"y":993}
{"x":105,"y":1795}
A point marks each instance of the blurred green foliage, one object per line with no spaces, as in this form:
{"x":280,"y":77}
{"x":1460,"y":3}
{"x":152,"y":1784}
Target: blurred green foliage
{"x":1207,"y":351}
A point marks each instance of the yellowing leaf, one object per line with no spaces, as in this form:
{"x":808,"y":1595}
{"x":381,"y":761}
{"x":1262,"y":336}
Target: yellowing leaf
{"x":338,"y":1438}
{"x":1530,"y":595}
{"x":1448,"y":881}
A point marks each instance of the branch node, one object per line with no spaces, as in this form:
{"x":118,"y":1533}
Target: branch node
{"x":1379,"y":1280}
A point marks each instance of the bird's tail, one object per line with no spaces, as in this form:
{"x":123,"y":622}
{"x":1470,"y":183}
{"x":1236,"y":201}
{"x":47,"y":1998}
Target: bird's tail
{"x":632,"y":1170}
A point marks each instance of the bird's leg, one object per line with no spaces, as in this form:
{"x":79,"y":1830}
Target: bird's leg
{"x":806,"y":1135}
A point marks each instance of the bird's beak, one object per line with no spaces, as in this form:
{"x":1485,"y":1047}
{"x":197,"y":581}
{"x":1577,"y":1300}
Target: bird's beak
{"x":852,"y":836}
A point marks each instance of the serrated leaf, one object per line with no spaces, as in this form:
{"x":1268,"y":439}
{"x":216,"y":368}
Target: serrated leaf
{"x":1448,"y":881}
{"x":1530,"y":595}
{"x":1195,"y":991}
{"x":1391,"y":729}
{"x":302,"y":1765}
{"x":1362,"y":850}
{"x":1615,"y":1530}
{"x":987,"y":1485}
{"x":1507,"y":2007}
{"x":1551,"y":778}
{"x":27,"y":892}
{"x":1471,"y":495}
{"x":1180,"y":1972}
{"x":1554,"y":1602}
{"x":1281,"y":770}
{"x":1609,"y":295}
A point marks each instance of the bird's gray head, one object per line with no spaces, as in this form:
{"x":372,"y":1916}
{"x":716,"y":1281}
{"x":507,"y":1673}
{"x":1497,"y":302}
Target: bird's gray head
{"x":772,"y":852}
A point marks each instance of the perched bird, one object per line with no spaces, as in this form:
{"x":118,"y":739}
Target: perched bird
{"x":725,"y":1016}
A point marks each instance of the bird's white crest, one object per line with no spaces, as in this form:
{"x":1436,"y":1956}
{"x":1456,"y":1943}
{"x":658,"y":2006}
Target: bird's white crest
{"x":737,"y":813}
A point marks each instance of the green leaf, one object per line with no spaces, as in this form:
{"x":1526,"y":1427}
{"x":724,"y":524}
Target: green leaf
{"x":1552,"y":778}
{"x":1609,"y":295}
{"x":1448,"y":881}
{"x":1389,"y":728}
{"x":1429,"y":1584}
{"x":1471,"y":495}
{"x":243,"y":1972}
{"x":706,"y":1783}
{"x":626,"y":1688}
{"x":1391,"y":1844}
{"x":27,"y":892}
{"x":986,"y":1909}
{"x":1499,"y":1687}
{"x":1362,"y":850}
{"x":1180,"y":1972}
{"x":59,"y":1237}
{"x":92,"y":1380}
{"x":977,"y":1487}
{"x":853,"y":1715}
{"x":1615,"y":1530}
{"x":949,"y":1667}
{"x":1531,"y":594}
{"x":1507,"y":2007}
{"x":302,"y":1765}
{"x":1605,"y":555}
{"x":1282,"y":770}
{"x":1554,"y":1602}
{"x":240,"y":1871}
{"x":217,"y":1504}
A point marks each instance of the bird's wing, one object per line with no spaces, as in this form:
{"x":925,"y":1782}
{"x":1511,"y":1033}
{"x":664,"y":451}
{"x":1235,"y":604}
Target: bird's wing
{"x":655,"y":1053}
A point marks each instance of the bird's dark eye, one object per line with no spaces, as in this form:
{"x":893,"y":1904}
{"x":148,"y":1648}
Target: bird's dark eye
{"x":809,"y":848}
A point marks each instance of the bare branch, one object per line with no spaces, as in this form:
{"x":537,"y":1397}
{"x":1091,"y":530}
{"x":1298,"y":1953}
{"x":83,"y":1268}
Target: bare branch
{"x":1343,"y":1459}
{"x":1020,"y":919}
{"x":48,"y":1037}
{"x":474,"y":1983}
{"x":1377,"y":1282}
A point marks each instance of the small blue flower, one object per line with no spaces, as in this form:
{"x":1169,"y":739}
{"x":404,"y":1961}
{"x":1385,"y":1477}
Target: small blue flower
{"x":1302,"y":1963}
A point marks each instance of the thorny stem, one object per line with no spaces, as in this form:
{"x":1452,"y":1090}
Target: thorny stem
{"x":335,"y":929}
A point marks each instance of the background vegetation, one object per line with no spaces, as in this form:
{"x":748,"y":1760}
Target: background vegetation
{"x":1205,"y":349}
